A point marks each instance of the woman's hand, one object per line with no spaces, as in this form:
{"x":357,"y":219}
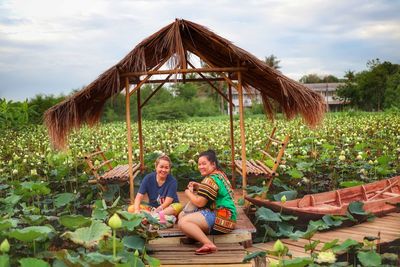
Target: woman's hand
{"x":158,"y":209}
{"x":190,"y":187}
{"x":194,"y":185}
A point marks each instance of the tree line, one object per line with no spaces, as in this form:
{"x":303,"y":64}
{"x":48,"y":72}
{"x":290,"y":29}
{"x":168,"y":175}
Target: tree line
{"x":376,"y":88}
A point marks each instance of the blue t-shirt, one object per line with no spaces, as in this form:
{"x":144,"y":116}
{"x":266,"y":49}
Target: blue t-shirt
{"x":157,"y":194}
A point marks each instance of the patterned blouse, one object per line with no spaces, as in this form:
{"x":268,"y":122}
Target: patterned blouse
{"x":217,"y":189}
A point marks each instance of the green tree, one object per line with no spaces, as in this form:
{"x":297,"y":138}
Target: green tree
{"x":372,"y":89}
{"x":272,"y":61}
{"x":310,"y":78}
{"x":330,"y":79}
{"x":392,"y":94}
{"x":39,"y":104}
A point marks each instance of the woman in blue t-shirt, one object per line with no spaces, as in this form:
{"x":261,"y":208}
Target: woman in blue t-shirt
{"x":160,"y":187}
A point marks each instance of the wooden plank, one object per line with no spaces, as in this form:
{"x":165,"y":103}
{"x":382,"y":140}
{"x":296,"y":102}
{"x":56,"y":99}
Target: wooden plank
{"x":181,"y":254}
{"x":157,"y":72}
{"x":226,"y":238}
{"x":376,"y":228}
{"x":231,"y":256}
{"x":192,"y":247}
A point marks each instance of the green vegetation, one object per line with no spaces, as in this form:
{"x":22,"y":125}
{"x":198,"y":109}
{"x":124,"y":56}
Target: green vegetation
{"x":46,"y":203}
{"x":374,"y":89}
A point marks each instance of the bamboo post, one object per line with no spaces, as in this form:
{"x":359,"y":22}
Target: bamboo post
{"x":139,"y":114}
{"x":242,"y":133}
{"x":231,"y":135}
{"x":128,"y":126}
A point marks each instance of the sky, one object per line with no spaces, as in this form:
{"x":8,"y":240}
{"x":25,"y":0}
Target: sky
{"x":55,"y":46}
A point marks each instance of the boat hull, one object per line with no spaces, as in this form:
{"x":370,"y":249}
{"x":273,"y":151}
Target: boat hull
{"x":379,"y":198}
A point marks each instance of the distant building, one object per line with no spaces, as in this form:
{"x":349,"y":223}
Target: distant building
{"x":328,"y":91}
{"x":248,"y":99}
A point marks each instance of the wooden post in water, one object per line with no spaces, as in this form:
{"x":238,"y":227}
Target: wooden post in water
{"x":242,"y":133}
{"x":128,"y":126}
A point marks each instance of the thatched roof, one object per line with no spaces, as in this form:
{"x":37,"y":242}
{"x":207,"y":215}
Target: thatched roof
{"x":175,"y":41}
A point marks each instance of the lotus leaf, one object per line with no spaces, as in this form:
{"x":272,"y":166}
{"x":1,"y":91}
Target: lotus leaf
{"x":30,"y":233}
{"x":267,"y":215}
{"x":351,"y":183}
{"x":74,"y":221}
{"x":356,"y":207}
{"x":7,"y":223}
{"x":369,"y":258}
{"x":134,"y":242}
{"x":63,"y":199}
{"x":32,"y":262}
{"x":295,"y":173}
{"x":347,"y":244}
{"x":4,"y":261}
{"x":89,"y":236}
{"x":297,"y":262}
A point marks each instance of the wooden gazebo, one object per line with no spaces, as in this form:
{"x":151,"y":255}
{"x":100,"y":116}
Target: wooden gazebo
{"x":168,"y":56}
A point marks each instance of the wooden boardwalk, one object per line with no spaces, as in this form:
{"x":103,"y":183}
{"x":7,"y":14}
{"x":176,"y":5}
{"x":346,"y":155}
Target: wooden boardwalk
{"x":169,"y":250}
{"x":387,"y":227}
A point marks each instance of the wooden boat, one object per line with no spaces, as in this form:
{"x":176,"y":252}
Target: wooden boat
{"x":378,"y":197}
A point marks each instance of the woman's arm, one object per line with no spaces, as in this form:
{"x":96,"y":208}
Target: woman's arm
{"x":138,"y":200}
{"x":168,"y":201}
{"x":198,"y":201}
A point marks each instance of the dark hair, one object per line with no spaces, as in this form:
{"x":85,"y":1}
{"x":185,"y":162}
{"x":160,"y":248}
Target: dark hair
{"x":211,"y":157}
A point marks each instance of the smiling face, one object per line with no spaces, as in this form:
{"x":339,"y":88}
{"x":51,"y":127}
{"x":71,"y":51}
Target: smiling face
{"x":162,"y":169}
{"x":205,"y":166}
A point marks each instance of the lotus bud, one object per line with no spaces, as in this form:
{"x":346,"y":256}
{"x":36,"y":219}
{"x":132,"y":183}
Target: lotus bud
{"x":136,"y":254}
{"x":283,"y":199}
{"x":5,"y":246}
{"x":115,"y":221}
{"x":278,"y":246}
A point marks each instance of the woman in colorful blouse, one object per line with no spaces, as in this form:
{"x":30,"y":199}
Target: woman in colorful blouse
{"x":216,"y":211}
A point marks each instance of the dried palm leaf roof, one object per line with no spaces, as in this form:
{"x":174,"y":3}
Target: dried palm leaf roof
{"x":174,"y":42}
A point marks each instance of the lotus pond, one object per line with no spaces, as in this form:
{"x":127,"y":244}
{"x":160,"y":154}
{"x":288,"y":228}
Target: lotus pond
{"x":49,"y":214}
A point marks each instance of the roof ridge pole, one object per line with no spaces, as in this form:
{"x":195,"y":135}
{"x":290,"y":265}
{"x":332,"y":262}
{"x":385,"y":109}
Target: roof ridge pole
{"x":128,"y":126}
{"x":242,"y":132}
{"x":231,"y":134}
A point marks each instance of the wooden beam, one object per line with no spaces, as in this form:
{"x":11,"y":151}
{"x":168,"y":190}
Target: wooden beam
{"x":157,"y":72}
{"x":128,"y":126}
{"x":140,"y":84}
{"x":185,"y":80}
{"x":212,"y":85}
{"x":155,"y":91}
{"x":228,"y":80}
{"x":159,"y":65}
{"x":232,"y":136}
{"x":242,"y":133}
{"x":139,"y":114}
